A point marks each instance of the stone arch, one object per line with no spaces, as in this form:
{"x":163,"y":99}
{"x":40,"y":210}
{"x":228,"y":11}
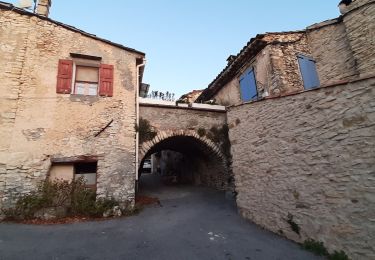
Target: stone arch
{"x":167,"y":139}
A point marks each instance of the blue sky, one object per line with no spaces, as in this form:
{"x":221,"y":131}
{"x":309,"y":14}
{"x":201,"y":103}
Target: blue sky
{"x":187,"y":41}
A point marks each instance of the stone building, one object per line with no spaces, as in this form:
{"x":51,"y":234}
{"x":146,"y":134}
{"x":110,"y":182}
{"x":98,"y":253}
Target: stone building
{"x":301,"y":115}
{"x":279,"y":64}
{"x":68,"y":106}
{"x":191,"y":96}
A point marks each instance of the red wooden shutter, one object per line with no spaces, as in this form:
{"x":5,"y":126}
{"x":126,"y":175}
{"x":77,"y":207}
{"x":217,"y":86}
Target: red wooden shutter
{"x":64,"y":77}
{"x":106,"y":80}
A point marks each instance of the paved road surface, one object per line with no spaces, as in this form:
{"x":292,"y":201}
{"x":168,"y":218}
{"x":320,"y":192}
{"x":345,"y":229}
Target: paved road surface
{"x":192,"y":223}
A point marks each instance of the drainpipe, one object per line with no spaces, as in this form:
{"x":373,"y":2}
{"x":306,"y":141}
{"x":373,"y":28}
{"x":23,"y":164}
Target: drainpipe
{"x":137,"y":123}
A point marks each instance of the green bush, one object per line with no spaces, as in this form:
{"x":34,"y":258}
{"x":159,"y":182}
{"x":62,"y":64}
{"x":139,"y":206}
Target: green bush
{"x":26,"y":207}
{"x":104,"y":204}
{"x":74,"y":196}
{"x":316,"y":247}
{"x":48,"y":194}
{"x":220,"y":136}
{"x":338,"y":256}
{"x":82,"y":201}
{"x":146,"y":131}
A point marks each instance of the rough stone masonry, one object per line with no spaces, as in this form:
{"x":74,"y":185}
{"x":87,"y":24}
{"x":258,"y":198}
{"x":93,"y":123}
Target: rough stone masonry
{"x":39,"y":126}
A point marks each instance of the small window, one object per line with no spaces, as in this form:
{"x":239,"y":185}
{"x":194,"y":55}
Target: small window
{"x":86,"y":170}
{"x":248,"y":86}
{"x":86,"y":81}
{"x":308,"y":71}
{"x":85,"y":78}
{"x":68,"y":171}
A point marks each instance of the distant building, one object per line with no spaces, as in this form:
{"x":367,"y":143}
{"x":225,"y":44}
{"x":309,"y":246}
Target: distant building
{"x":191,"y":96}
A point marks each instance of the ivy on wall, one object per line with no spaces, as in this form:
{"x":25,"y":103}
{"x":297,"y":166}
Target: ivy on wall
{"x":146,"y":131}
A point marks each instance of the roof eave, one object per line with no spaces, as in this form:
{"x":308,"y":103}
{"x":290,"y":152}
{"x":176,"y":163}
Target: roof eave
{"x":254,"y":46}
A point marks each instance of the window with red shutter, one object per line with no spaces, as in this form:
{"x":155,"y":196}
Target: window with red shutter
{"x":64,"y":77}
{"x":86,"y":80}
{"x":106,"y":80}
{"x":91,"y":78}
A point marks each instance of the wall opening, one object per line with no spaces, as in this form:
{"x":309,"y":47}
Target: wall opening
{"x":184,"y":160}
{"x":69,"y":171}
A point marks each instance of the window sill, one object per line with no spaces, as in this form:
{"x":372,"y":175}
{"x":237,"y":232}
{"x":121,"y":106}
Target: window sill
{"x":83,"y":98}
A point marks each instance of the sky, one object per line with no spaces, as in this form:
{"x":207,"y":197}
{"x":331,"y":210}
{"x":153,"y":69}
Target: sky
{"x":187,"y":42}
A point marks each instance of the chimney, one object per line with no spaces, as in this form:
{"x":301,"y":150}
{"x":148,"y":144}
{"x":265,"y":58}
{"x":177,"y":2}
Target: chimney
{"x":43,"y":7}
{"x":231,"y":58}
{"x":343,"y":6}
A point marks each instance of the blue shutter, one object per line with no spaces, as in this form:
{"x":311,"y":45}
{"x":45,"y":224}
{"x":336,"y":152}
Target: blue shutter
{"x":309,"y":72}
{"x":248,"y":86}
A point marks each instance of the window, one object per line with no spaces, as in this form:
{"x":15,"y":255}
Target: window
{"x":308,"y":71}
{"x":86,"y":81}
{"x":248,"y":86}
{"x":68,"y":171}
{"x":87,"y":171}
{"x":84,"y":78}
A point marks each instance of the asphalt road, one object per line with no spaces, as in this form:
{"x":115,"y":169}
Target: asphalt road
{"x":191,"y":223}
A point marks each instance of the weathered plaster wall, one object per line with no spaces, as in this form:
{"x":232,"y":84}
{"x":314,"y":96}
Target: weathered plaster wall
{"x":37,"y":124}
{"x":310,"y":155}
{"x":61,"y":172}
{"x":230,"y":94}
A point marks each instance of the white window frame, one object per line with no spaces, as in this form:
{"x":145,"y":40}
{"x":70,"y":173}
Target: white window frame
{"x":84,"y":63}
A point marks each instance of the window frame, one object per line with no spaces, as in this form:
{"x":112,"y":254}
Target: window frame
{"x":75,"y":166}
{"x":241,"y":77}
{"x":309,"y":57}
{"x":85,"y":63}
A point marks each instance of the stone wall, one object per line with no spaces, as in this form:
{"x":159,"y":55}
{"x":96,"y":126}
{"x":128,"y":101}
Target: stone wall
{"x":38,"y":125}
{"x":276,"y":69}
{"x":285,"y":75}
{"x":177,"y":130}
{"x":310,"y":156}
{"x":335,"y":61}
{"x":230,"y":94}
{"x":360,"y":28}
{"x":174,"y":118}
{"x":343,"y":48}
{"x":348,"y":44}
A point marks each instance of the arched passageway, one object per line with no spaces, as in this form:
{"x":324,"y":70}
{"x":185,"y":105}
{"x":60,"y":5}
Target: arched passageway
{"x":184,"y":157}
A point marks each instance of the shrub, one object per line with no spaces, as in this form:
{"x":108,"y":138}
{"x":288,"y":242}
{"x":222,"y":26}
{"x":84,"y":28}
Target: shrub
{"x":82,"y":201}
{"x":103,"y":204}
{"x":316,"y":247}
{"x":48,"y":194}
{"x":73,"y":196}
{"x":338,"y":256}
{"x":26,"y":207}
{"x":146,"y":131}
{"x":220,"y":136}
